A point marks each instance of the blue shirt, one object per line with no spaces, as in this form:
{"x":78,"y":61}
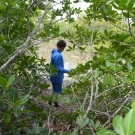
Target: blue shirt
{"x":58,"y":62}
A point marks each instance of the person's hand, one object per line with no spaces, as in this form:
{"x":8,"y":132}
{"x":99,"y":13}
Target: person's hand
{"x":70,"y":73}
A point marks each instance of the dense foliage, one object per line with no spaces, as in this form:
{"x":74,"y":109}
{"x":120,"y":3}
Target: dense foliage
{"x":102,"y":88}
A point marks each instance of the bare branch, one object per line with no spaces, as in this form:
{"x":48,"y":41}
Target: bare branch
{"x":22,"y":48}
{"x":92,"y":78}
{"x":129,"y":28}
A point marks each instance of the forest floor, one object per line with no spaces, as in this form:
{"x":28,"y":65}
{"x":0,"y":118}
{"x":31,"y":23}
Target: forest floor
{"x":60,"y":126}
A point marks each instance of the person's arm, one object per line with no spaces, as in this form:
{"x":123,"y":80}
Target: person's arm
{"x":58,"y":63}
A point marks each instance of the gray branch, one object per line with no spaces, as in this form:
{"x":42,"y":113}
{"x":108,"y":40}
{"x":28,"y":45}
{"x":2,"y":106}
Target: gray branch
{"x":22,"y":48}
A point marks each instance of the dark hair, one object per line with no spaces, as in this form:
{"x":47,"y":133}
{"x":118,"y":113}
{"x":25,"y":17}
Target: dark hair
{"x":61,"y":43}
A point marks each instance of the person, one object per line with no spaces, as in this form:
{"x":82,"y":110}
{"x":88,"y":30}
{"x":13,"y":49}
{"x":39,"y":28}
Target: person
{"x":57,"y":60}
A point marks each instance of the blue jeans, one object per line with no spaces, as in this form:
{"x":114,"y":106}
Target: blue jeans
{"x":57,"y":87}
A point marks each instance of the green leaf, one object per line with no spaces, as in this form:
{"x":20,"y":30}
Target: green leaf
{"x":45,"y":131}
{"x":67,"y":99}
{"x":133,"y":18}
{"x":126,"y":4}
{"x":16,"y":113}
{"x":97,"y":124}
{"x":16,"y":132}
{"x":107,"y":63}
{"x":53,"y":69}
{"x":13,"y":95}
{"x":55,"y":97}
{"x":22,"y":100}
{"x":102,"y":67}
{"x":8,"y":44}
{"x":82,"y":123}
{"x":74,"y":47}
{"x":75,"y":132}
{"x":103,"y":131}
{"x":133,"y":105}
{"x":130,"y":4}
{"x":129,"y":66}
{"x":126,"y":14}
{"x":86,"y":121}
{"x":28,"y":131}
{"x":92,"y":123}
{"x":115,"y":54}
{"x":7,"y":116}
{"x":82,"y":48}
{"x":70,"y":47}
{"x":129,"y":123}
{"x":12,"y":2}
{"x":118,"y":125}
{"x":95,"y":57}
{"x":36,"y":128}
{"x":79,"y":121}
{"x":106,"y":81}
{"x":3,"y":81}
{"x":2,"y":105}
{"x":112,"y":65}
{"x":105,"y":8}
{"x":76,"y":1}
{"x":10,"y":80}
{"x":126,"y":1}
{"x":28,"y":112}
{"x":87,"y":132}
{"x":97,"y":72}
{"x":1,"y":39}
{"x":109,"y":79}
{"x":2,"y":6}
{"x":101,"y":87}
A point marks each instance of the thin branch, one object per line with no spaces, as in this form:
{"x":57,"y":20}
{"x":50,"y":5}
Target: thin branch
{"x":116,"y":111}
{"x":118,"y":26}
{"x":86,"y":96}
{"x":22,"y":48}
{"x":28,"y":24}
{"x":129,"y":28}
{"x":109,"y":90}
{"x":92,"y":78}
{"x":76,"y":96}
{"x":104,"y":113}
{"x":31,"y":5}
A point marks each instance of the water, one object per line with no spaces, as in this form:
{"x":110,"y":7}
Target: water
{"x":71,"y":59}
